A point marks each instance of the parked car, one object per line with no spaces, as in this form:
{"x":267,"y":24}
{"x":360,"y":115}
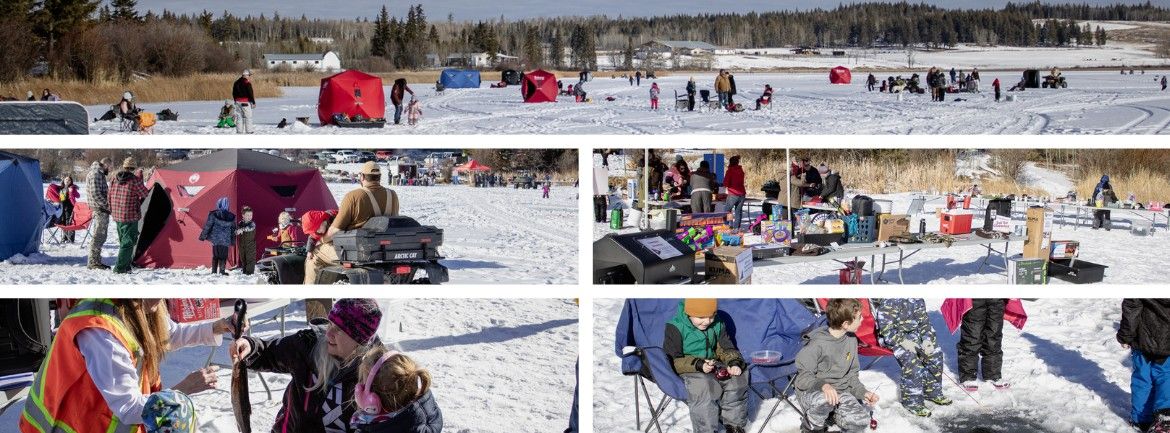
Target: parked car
{"x":345,"y":156}
{"x":366,"y":156}
{"x":172,"y":154}
{"x":383,"y":155}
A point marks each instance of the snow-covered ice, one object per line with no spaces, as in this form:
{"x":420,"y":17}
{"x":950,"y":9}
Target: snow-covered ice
{"x":1067,"y":371}
{"x":490,"y":236}
{"x":498,"y":365}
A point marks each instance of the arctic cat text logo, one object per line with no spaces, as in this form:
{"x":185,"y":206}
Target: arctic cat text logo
{"x":405,"y":255}
{"x":194,"y":178}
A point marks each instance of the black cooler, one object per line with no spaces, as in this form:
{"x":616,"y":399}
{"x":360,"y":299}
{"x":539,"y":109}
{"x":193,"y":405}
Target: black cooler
{"x":388,"y":239}
{"x":654,"y":257}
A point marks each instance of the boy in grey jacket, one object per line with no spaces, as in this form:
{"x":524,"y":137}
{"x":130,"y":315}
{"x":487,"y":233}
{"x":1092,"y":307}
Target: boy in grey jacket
{"x":827,"y":382}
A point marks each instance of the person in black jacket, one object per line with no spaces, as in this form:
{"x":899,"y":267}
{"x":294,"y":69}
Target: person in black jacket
{"x":833,"y":188}
{"x":1145,"y":330}
{"x":323,"y":362}
{"x":400,"y":390}
{"x":245,"y":102}
{"x":810,"y":180}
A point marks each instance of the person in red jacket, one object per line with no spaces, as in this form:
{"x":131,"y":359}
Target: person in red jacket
{"x":127,"y":192}
{"x":995,"y":84}
{"x":736,"y":191}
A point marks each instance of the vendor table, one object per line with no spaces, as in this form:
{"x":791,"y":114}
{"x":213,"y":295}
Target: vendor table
{"x":841,"y":255}
{"x":906,"y":251}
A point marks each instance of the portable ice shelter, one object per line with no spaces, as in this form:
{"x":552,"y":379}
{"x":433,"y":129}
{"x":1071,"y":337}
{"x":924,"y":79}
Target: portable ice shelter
{"x":840,"y":75}
{"x":351,"y":93}
{"x":459,"y":79}
{"x":58,"y":118}
{"x":539,"y":86}
{"x":511,"y":77}
{"x":22,"y":213}
{"x":182,"y":195}
{"x":1032,"y":78}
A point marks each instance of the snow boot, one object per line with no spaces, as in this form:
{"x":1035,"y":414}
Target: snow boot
{"x":804,"y":429}
{"x":941,"y":400}
{"x":99,"y":266}
{"x":919,"y":411}
{"x":734,"y":429}
{"x":1000,"y":384}
{"x":1161,"y":424}
{"x":970,"y":386}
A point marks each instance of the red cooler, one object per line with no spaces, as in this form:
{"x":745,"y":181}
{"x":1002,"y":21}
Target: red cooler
{"x":955,"y":223}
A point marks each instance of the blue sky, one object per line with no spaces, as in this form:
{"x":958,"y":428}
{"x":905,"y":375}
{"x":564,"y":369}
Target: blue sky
{"x":515,"y":9}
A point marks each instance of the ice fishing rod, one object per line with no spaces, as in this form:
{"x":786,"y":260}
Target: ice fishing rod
{"x":944,"y":373}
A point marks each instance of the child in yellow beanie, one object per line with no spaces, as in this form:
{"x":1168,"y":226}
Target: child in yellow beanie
{"x":703,"y":354}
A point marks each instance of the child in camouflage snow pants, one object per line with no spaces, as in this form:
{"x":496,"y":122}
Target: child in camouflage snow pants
{"x":904,"y":327}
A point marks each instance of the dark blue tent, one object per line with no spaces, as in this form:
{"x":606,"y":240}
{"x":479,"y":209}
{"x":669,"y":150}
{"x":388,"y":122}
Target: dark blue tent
{"x":459,"y":79}
{"x":22,"y":210}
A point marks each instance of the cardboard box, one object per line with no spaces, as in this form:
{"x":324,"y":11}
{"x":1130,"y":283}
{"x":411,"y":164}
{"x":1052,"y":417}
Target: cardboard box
{"x":1037,"y":234}
{"x":1065,"y":250}
{"x":193,"y":309}
{"x":1026,"y":271}
{"x":729,"y":265}
{"x":892,"y":225}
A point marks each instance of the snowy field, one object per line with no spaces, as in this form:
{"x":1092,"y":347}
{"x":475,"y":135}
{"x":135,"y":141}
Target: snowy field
{"x":1131,"y":259}
{"x":1096,"y":102}
{"x":1068,"y":375}
{"x":488,"y":358}
{"x":490,"y":236}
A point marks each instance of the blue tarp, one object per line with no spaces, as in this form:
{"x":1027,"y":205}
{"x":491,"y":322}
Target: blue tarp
{"x":459,"y":79}
{"x":754,"y":324}
{"x":22,"y":209}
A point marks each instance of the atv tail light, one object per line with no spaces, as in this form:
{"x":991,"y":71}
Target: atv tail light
{"x":425,"y":240}
{"x":347,"y":265}
{"x":402,"y":270}
{"x":384,"y":242}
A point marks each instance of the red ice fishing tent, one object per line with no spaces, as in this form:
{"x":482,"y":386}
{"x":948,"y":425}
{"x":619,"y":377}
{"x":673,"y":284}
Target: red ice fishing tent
{"x":539,"y":86}
{"x":182,"y":195}
{"x":351,"y":93}
{"x":471,"y":166}
{"x":840,"y":75}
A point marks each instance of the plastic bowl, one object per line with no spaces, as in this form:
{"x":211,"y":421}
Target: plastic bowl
{"x":765,"y":357}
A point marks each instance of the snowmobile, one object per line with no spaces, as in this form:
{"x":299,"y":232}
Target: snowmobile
{"x":386,"y":250}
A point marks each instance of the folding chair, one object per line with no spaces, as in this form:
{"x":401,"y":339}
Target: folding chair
{"x":867,"y":335}
{"x":638,"y":342}
{"x":681,"y":102}
{"x":82,"y":217}
{"x":713,"y":104}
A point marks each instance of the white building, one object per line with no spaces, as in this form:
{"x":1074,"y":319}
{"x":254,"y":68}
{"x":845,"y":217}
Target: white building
{"x":690,"y":48}
{"x":324,"y":62}
{"x":470,"y":60}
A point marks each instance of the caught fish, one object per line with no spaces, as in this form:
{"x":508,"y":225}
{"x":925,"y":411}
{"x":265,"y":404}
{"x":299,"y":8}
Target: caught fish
{"x":241,"y":404}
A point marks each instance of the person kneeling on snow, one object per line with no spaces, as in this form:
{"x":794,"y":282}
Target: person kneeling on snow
{"x":906,"y":328}
{"x":227,"y":116}
{"x":827,"y":381}
{"x":322,"y":361}
{"x":393,"y":396}
{"x":1145,"y":330}
{"x":702,"y":353}
{"x":220,"y":230}
{"x":105,"y":361}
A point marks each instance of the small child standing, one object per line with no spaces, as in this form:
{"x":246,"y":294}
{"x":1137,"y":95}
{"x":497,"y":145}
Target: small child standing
{"x":393,"y":396}
{"x":219,"y":229}
{"x":980,"y":345}
{"x":246,"y":236}
{"x":1145,"y":330}
{"x":547,"y":186}
{"x":654,"y":92}
{"x":413,"y":112}
{"x":906,"y":328}
{"x":702,"y":353}
{"x":827,"y":381}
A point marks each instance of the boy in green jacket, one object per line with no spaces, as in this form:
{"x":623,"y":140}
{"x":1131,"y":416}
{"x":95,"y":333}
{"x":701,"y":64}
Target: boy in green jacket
{"x":704,"y":356}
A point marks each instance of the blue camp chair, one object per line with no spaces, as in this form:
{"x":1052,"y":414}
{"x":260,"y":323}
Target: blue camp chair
{"x":754,"y":324}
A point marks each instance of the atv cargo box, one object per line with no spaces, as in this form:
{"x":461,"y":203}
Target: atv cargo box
{"x":389,"y":239}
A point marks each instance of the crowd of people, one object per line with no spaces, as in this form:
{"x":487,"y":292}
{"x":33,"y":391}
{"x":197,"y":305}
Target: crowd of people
{"x":103,"y":373}
{"x":828,"y":385}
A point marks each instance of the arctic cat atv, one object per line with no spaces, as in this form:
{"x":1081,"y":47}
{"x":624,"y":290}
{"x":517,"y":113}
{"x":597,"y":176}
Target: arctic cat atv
{"x":386,"y":250}
{"x":1054,"y":82}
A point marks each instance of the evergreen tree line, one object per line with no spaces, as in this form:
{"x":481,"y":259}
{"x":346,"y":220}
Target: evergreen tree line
{"x":90,"y":39}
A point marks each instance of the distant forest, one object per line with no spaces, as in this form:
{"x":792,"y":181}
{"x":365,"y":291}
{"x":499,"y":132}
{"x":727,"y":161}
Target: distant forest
{"x":95,"y":40}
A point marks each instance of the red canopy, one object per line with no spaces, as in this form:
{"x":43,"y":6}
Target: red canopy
{"x":351,"y":93}
{"x":840,"y":75}
{"x":473,"y":165}
{"x":539,"y":86}
{"x":183,"y":194}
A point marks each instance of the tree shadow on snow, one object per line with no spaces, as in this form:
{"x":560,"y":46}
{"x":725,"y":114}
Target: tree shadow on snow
{"x":1072,"y":366}
{"x":495,"y":334}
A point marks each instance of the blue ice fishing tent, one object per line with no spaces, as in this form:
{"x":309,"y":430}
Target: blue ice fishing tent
{"x":459,"y":79}
{"x":22,"y":212}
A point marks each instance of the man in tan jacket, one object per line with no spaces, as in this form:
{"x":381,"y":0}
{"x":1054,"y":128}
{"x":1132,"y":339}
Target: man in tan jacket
{"x":723,"y":87}
{"x":357,"y":207}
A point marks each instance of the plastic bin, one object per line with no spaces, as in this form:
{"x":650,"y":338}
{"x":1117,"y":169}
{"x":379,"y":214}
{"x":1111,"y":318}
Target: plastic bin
{"x":866,"y":230}
{"x":1078,"y":272}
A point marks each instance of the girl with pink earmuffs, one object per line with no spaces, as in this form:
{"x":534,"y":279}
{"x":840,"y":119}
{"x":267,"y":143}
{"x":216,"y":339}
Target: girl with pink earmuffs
{"x":393,"y":396}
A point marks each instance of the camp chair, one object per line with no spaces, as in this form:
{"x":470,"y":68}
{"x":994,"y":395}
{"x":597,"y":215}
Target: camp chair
{"x":867,"y":334}
{"x":14,"y":388}
{"x":82,"y":217}
{"x":713,"y":104}
{"x":681,"y":102}
{"x":755,"y":324}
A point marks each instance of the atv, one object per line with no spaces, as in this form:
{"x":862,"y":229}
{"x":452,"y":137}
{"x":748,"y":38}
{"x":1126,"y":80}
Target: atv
{"x":386,"y":250}
{"x":1054,"y":82}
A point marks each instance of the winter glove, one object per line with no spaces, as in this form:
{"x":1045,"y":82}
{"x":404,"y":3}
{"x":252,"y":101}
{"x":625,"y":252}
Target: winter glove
{"x":909,"y":346}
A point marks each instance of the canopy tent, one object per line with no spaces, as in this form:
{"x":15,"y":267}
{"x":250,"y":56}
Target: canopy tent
{"x":539,"y":86}
{"x":23,"y":210}
{"x":472,"y":165}
{"x":840,"y":75}
{"x":459,"y":79}
{"x":351,"y":93}
{"x":182,"y":195}
{"x":58,"y":118}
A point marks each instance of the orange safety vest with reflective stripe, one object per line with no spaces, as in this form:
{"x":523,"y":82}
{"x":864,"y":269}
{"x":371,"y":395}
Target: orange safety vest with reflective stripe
{"x":63,"y":398}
